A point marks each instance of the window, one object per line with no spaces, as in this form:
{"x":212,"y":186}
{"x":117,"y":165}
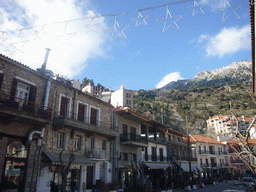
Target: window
{"x":23,"y":91}
{"x":134,"y":156}
{"x":104,"y":145}
{"x":60,"y":140}
{"x":95,"y":116}
{"x":92,"y":143}
{"x":65,"y":105}
{"x":78,"y":142}
{"x":82,"y":112}
{"x":125,"y":156}
{"x":153,"y":153}
{"x":1,"y":79}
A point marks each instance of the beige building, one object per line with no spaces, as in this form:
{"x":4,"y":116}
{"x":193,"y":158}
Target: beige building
{"x":211,"y":155}
{"x":226,"y":126}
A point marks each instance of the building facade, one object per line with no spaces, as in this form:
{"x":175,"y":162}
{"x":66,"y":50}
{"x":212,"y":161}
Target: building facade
{"x":212,"y":156}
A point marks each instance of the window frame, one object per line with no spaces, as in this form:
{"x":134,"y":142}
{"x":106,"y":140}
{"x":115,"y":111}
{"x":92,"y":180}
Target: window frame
{"x":68,"y":105}
{"x":57,"y":140}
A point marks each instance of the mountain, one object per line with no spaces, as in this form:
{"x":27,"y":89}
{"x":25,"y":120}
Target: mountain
{"x":235,"y":72}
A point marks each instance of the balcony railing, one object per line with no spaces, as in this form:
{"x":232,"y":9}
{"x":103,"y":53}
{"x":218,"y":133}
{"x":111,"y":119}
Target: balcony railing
{"x":209,"y":165}
{"x":133,"y":137}
{"x":78,"y":121}
{"x":223,"y":165}
{"x":207,"y":152}
{"x":181,"y":158}
{"x":23,"y":106}
{"x":155,"y":158}
{"x":221,"y":152}
{"x":96,"y":153}
{"x":236,"y":161}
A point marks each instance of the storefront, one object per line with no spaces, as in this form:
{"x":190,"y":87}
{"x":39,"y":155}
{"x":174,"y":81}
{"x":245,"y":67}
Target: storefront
{"x":15,"y":164}
{"x":79,"y":177}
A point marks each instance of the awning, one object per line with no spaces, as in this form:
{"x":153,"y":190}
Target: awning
{"x":158,"y":165}
{"x":194,"y":168}
{"x":79,"y":159}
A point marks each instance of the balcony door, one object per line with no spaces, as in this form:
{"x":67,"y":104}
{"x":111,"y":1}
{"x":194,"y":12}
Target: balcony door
{"x":82,"y":109}
{"x":94,"y":116}
{"x":133,"y":134}
{"x":64,"y":106}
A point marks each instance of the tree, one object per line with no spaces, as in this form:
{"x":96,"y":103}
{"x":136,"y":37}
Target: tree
{"x":87,"y":81}
{"x":245,"y":148}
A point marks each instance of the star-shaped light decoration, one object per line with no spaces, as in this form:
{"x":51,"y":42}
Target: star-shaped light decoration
{"x":65,"y":38}
{"x":228,"y":11}
{"x":42,"y":35}
{"x":92,"y":26}
{"x":118,"y":31}
{"x":19,"y":45}
{"x":169,"y":21}
{"x":140,"y":19}
{"x":197,"y":8}
{"x":3,"y":37}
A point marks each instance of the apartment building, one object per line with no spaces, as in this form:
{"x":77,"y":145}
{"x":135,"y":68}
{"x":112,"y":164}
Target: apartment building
{"x":212,"y":156}
{"x":226,"y":126}
{"x":38,"y":141}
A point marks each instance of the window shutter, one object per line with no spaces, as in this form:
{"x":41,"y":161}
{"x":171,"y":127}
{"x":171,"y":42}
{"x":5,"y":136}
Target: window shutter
{"x":1,"y":79}
{"x":14,"y":88}
{"x":32,"y":95}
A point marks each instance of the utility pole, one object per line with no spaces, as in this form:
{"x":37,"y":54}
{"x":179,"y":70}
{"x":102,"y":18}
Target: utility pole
{"x":189,"y":158}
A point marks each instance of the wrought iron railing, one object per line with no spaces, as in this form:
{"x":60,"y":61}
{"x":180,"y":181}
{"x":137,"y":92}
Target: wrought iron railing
{"x":10,"y":102}
{"x":158,"y":158}
{"x":132,"y":137}
{"x":96,"y":153}
{"x":85,"y":120}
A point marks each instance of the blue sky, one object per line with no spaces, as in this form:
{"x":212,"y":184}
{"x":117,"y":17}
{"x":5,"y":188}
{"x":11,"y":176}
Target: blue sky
{"x":99,"y":39}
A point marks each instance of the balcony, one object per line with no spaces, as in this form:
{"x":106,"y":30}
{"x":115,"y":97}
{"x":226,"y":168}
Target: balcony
{"x":155,"y":158}
{"x":180,"y":143}
{"x":182,"y":158}
{"x":236,"y":161}
{"x":13,"y":108}
{"x":95,"y":153}
{"x":206,"y":152}
{"x":223,"y":165}
{"x":221,"y":152}
{"x":70,"y":120}
{"x":133,"y":140}
{"x":209,"y":165}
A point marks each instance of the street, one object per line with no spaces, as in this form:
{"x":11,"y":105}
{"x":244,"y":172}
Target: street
{"x":214,"y":188}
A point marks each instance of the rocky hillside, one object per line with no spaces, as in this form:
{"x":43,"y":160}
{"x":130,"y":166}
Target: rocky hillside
{"x":236,"y":72}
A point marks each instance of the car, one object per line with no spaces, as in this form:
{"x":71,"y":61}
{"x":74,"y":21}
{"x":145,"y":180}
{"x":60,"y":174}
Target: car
{"x":241,"y":187}
{"x":236,"y":190}
{"x":249,"y":180}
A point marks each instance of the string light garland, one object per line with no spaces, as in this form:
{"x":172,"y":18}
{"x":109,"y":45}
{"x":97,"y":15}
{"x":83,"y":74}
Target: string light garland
{"x":169,"y":20}
{"x":117,"y":31}
{"x":195,"y":8}
{"x":228,"y":9}
{"x":138,"y":19}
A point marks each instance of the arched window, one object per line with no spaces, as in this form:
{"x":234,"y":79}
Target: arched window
{"x":16,"y":149}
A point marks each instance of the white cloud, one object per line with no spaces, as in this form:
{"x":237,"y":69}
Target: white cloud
{"x":169,"y":78}
{"x":67,"y":57}
{"x":227,"y":41}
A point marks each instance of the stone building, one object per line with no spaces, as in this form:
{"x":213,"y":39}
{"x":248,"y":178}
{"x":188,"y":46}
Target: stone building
{"x":37,"y":141}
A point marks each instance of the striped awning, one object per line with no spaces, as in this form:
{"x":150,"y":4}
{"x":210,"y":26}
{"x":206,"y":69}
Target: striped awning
{"x":79,"y":159}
